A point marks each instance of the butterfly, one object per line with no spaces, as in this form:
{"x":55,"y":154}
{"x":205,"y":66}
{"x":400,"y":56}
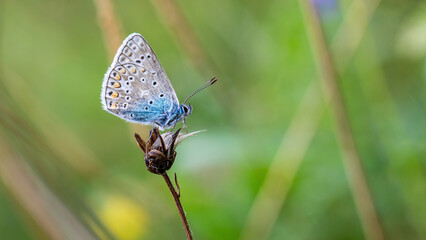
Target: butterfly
{"x":137,"y":89}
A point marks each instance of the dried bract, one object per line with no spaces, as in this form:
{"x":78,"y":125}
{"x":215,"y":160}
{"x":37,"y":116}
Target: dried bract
{"x":159,"y":150}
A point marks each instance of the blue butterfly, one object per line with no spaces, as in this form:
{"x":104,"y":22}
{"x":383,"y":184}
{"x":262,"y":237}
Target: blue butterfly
{"x":137,"y":89}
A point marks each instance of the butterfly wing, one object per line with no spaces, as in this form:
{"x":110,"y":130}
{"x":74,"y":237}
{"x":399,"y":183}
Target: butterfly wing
{"x":136,"y":87}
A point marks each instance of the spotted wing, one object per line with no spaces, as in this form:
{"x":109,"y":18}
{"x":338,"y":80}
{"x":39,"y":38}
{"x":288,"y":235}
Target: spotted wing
{"x":135,"y":87}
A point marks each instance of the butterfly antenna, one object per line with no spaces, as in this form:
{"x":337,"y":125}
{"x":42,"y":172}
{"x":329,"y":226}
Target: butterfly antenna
{"x":207,"y":84}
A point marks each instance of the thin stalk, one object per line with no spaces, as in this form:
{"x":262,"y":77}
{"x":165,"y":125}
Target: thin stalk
{"x":298,"y":137}
{"x":176,"y":197}
{"x":110,"y":25}
{"x":174,"y":19}
{"x":350,"y":155}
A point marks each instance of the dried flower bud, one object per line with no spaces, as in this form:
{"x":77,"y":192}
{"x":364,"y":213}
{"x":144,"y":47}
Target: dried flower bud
{"x":159,"y":150}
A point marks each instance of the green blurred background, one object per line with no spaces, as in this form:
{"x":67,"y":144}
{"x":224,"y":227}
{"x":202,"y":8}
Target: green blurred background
{"x":269,"y":165}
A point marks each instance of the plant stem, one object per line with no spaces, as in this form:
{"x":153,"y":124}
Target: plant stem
{"x":178,"y":205}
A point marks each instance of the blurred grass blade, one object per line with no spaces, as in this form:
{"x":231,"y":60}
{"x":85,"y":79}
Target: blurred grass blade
{"x":285,"y":165}
{"x":351,"y":31}
{"x":51,"y":215}
{"x":110,"y":26}
{"x":70,"y":149}
{"x":384,"y":106}
{"x":351,"y":159}
{"x":174,"y":19}
{"x":279,"y":170}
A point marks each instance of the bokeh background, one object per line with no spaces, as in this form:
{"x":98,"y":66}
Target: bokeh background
{"x":277,"y":160}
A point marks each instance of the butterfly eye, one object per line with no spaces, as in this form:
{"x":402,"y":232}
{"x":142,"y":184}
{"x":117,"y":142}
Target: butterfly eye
{"x":185,"y":109}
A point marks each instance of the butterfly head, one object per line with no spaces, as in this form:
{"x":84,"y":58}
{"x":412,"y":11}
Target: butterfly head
{"x":185,"y":109}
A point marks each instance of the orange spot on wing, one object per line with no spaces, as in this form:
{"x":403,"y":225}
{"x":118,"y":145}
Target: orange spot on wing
{"x":116,"y":85}
{"x":118,"y":77}
{"x":114,"y":95}
{"x":114,"y":105}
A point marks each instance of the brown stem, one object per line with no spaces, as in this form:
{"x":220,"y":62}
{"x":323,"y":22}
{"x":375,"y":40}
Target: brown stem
{"x":110,"y":25}
{"x":178,"y":205}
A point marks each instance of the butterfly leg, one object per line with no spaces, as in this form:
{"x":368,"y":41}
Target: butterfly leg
{"x":155,"y":124}
{"x":173,"y":128}
{"x":184,"y":125}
